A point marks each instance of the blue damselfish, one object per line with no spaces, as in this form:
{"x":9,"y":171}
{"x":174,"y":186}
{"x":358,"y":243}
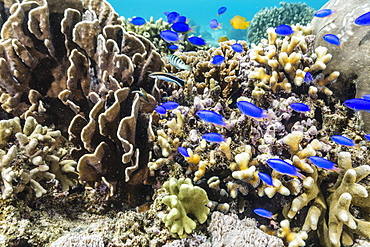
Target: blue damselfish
{"x":169,"y":36}
{"x":211,"y":117}
{"x":264,"y":213}
{"x":138,"y":21}
{"x":197,"y":41}
{"x":308,"y":78}
{"x":221,"y":10}
{"x":170,"y":105}
{"x":342,"y":140}
{"x":323,"y":163}
{"x":213,"y":137}
{"x":218,"y":59}
{"x":363,"y":20}
{"x":266,"y":178}
{"x":183,"y":151}
{"x":324,"y":13}
{"x":251,"y":110}
{"x":332,"y":39}
{"x":284,"y":167}
{"x":358,"y":104}
{"x":284,"y":30}
{"x":160,"y":109}
{"x":300,"y":107}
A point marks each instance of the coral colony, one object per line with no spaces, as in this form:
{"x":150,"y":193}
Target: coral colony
{"x":124,"y":132}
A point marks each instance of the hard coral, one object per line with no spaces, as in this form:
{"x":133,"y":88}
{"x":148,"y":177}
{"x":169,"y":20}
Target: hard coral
{"x":74,"y":65}
{"x":184,"y":199}
{"x":31,"y":155}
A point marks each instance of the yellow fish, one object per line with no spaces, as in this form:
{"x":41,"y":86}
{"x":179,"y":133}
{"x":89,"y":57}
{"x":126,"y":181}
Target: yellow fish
{"x":239,"y":22}
{"x":222,"y":39}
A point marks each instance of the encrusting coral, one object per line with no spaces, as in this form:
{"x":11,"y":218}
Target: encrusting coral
{"x":32,"y":154}
{"x":184,"y":199}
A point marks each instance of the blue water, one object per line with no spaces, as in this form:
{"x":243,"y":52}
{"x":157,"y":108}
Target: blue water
{"x":200,"y":12}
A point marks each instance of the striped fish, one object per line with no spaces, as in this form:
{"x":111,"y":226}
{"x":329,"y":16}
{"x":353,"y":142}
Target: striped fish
{"x":143,"y":94}
{"x":177,"y":62}
{"x":167,"y":77}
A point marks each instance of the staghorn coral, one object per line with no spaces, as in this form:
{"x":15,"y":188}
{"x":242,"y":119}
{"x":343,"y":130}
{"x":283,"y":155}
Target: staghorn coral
{"x":74,"y":66}
{"x":288,"y":13}
{"x":184,"y":199}
{"x":31,"y":155}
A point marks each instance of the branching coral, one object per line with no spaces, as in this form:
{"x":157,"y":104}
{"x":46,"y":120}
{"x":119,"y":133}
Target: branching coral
{"x":32,"y":154}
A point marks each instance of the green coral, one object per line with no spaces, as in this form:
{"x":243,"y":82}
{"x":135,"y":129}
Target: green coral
{"x":288,"y":13}
{"x":184,"y":199}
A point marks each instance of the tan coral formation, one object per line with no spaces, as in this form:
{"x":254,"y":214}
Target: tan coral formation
{"x":33,"y":153}
{"x":80,"y":69}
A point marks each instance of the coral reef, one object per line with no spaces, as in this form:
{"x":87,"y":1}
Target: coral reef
{"x":75,"y":67}
{"x":288,"y":14}
{"x":184,"y":199}
{"x":31,"y":155}
{"x":350,"y":60}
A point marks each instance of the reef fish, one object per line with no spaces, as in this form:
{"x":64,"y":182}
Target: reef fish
{"x":358,"y":104}
{"x":307,"y":78}
{"x":264,"y":213}
{"x":177,"y":62}
{"x":223,"y":38}
{"x":342,"y":140}
{"x":323,"y":163}
{"x":169,"y":36}
{"x":143,"y":94}
{"x":221,"y":10}
{"x":367,"y":137}
{"x":214,"y":24}
{"x":366,"y":96}
{"x":266,"y":178}
{"x":213,"y":137}
{"x":183,"y":151}
{"x":170,"y":105}
{"x":324,"y":13}
{"x":160,"y":109}
{"x":332,"y":39}
{"x":239,"y":22}
{"x":182,"y":19}
{"x":237,"y":47}
{"x":251,"y":110}
{"x":363,"y":20}
{"x":284,"y":30}
{"x":173,"y":47}
{"x":138,"y":21}
{"x":167,"y":77}
{"x":300,"y":107}
{"x":172,"y":17}
{"x":181,"y":27}
{"x":218,"y":59}
{"x":284,"y":167}
{"x":197,"y":41}
{"x":211,"y":117}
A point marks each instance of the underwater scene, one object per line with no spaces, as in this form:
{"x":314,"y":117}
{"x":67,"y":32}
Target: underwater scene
{"x":198,"y":123}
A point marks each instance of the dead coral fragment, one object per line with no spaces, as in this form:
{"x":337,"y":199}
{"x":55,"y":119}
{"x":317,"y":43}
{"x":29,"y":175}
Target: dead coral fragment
{"x":184,"y":199}
{"x":36,"y":153}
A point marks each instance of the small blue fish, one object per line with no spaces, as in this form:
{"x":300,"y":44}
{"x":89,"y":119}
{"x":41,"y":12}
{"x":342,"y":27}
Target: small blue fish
{"x":366,"y":96}
{"x":221,"y":10}
{"x":300,"y":107}
{"x":197,"y":41}
{"x":284,"y":167}
{"x":332,"y":39}
{"x":218,"y":59}
{"x":363,"y":20}
{"x":237,"y":47}
{"x":169,"y":36}
{"x":323,"y":163}
{"x":308,"y":78}
{"x":211,"y":117}
{"x":138,"y":21}
{"x":264,"y":213}
{"x":214,"y":24}
{"x":342,"y":140}
{"x":266,"y":178}
{"x":213,"y":137}
{"x":324,"y":13}
{"x":173,"y":47}
{"x":160,"y":109}
{"x":358,"y":104}
{"x":183,"y":151}
{"x":182,"y":19}
{"x":172,"y":17}
{"x":284,"y":30}
{"x":170,"y":105}
{"x":367,"y":137}
{"x":251,"y":110}
{"x":181,"y":27}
